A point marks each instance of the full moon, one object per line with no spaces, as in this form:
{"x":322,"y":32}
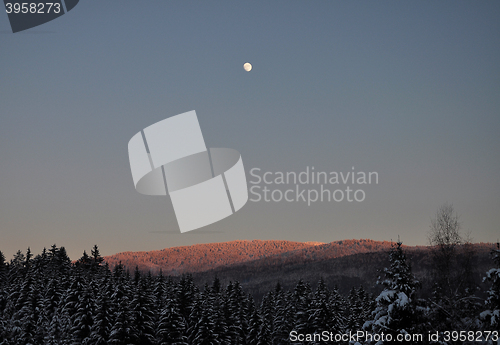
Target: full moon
{"x":247,"y":67}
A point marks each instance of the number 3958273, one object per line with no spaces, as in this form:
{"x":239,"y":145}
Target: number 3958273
{"x":33,"y":7}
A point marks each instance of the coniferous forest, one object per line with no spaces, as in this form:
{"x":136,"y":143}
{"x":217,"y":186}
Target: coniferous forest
{"x":47,"y":299}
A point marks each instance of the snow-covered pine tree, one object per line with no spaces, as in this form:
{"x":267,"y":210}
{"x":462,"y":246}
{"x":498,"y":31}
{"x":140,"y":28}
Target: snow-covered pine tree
{"x":338,"y":307}
{"x":203,"y":333}
{"x":54,"y":334}
{"x":267,"y":309}
{"x":96,"y":258}
{"x":195,"y":315}
{"x":282,"y":315}
{"x":322,"y":292}
{"x":137,"y":275}
{"x":265,"y":335}
{"x":396,"y":309}
{"x":53,"y":303}
{"x":235,"y":317}
{"x":367,"y":304}
{"x":221,"y":309}
{"x":254,"y":322}
{"x":82,"y":319}
{"x":85,"y":262}
{"x":302,"y":305}
{"x":103,"y":315}
{"x":3,"y":269}
{"x":50,"y":302}
{"x":3,"y":295}
{"x":68,"y":307}
{"x":59,"y":264}
{"x":25,"y":319}
{"x":141,"y":308}
{"x":244,"y":312}
{"x":355,"y":315}
{"x":321,"y":318}
{"x":40,"y":263}
{"x":171,"y":327}
{"x":159,"y":291}
{"x":18,"y":261}
{"x":159,"y":297}
{"x":29,"y":257}
{"x":186,"y":292}
{"x":121,"y":332}
{"x":491,"y":315}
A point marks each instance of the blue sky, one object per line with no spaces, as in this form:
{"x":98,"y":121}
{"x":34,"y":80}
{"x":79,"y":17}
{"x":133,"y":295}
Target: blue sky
{"x":408,"y":89}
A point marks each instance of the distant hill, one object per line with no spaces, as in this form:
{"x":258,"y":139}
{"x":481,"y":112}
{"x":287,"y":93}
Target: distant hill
{"x":209,"y":256}
{"x":203,"y":257}
{"x":258,"y":265}
{"x":344,"y":271}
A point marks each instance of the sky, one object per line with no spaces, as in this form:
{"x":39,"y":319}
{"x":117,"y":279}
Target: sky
{"x":410,"y":90}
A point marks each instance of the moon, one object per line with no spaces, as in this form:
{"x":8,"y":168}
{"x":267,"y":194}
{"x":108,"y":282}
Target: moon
{"x":247,"y":66}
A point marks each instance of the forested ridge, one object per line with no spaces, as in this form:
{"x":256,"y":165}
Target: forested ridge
{"x":47,"y":299}
{"x":209,"y":256}
{"x":259,"y":264}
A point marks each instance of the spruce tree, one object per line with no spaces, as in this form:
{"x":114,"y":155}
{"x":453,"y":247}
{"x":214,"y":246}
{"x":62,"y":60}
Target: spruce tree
{"x":171,"y":328}
{"x":3,"y":269}
{"x":204,"y":330}
{"x":283,"y":315}
{"x":121,"y":332}
{"x":19,"y":260}
{"x":49,"y":307}
{"x":220,"y":306}
{"x":396,"y":310}
{"x":254,"y":323}
{"x":491,"y":315}
{"x":82,"y":319}
{"x":321,"y":313}
{"x":25,"y":319}
{"x":3,"y":295}
{"x":337,"y":306}
{"x":367,"y":304}
{"x":236,"y":316}
{"x":69,"y":305}
{"x":141,"y":308}
{"x":265,"y":335}
{"x":302,"y":308}
{"x":96,"y":257}
{"x":103,"y":318}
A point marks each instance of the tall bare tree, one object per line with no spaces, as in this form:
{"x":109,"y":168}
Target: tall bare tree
{"x":453,"y":261}
{"x":445,"y":237}
{"x":445,"y":228}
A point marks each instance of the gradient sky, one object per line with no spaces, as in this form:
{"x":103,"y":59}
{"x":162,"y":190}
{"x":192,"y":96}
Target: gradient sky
{"x":408,"y":89}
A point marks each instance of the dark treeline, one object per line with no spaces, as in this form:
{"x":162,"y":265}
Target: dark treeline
{"x":47,"y":299}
